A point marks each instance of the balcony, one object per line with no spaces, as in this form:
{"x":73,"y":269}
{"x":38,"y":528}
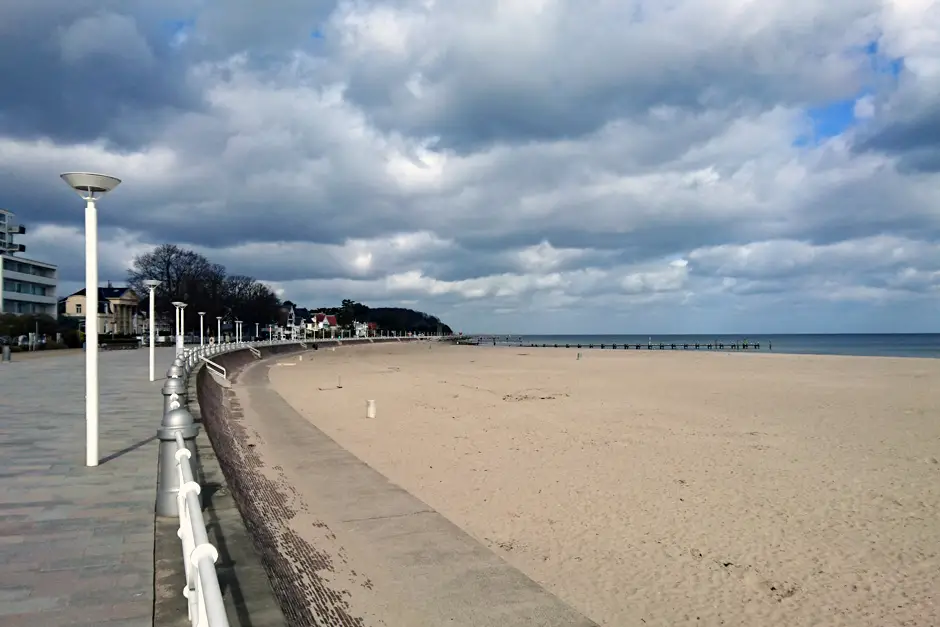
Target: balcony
{"x":31,"y":278}
{"x":29,"y":298}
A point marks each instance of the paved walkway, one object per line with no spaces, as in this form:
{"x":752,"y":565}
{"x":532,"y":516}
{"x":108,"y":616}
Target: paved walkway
{"x":76,"y":543}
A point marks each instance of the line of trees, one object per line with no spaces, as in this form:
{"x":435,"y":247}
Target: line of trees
{"x":388,"y":318}
{"x":188,"y":276}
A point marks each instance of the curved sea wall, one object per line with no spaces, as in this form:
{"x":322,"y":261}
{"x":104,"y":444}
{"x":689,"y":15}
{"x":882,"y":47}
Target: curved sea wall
{"x":258,"y":499}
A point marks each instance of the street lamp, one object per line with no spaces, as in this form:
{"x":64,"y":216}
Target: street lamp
{"x":201,"y":332}
{"x":179,"y":325}
{"x":238,"y":330}
{"x":91,"y":187}
{"x":256,"y":331}
{"x":218,"y":332}
{"x":152,"y":285}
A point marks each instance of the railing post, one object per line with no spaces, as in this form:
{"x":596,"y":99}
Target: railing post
{"x":176,"y":419}
{"x":174,"y":394}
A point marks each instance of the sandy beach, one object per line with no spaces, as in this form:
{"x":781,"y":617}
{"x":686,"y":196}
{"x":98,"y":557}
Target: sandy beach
{"x":673,"y":488}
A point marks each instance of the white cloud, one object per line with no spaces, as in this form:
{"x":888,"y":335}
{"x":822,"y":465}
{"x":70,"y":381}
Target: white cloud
{"x":470,"y":160}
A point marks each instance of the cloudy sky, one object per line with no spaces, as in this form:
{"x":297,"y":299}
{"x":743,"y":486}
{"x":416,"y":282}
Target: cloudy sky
{"x":646,"y":166}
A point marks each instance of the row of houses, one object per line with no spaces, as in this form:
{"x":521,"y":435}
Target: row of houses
{"x":122,"y":312}
{"x":298,"y":320}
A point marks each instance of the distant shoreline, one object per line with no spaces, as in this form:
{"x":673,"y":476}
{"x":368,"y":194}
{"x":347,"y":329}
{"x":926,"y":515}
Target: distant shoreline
{"x":907,"y":345}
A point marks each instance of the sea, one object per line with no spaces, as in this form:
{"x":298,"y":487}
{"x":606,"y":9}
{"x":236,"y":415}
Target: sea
{"x":861,"y":344}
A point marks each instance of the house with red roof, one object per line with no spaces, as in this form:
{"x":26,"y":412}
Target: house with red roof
{"x":324,"y":321}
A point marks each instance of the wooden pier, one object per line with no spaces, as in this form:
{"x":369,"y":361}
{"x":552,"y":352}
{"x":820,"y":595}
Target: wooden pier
{"x":721,"y":346}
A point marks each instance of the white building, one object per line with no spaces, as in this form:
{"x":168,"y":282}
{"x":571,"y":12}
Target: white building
{"x":28,"y":286}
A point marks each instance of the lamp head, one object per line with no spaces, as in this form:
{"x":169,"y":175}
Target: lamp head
{"x":89,"y":185}
{"x":201,"y":313}
{"x":177,"y":303}
{"x":152,"y":283}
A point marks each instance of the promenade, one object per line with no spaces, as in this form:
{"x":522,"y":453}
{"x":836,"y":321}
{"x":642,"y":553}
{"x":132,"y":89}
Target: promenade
{"x":76,"y":543}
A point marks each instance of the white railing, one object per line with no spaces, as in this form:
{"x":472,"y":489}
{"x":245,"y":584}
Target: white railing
{"x":220,"y":370}
{"x":206,"y":607}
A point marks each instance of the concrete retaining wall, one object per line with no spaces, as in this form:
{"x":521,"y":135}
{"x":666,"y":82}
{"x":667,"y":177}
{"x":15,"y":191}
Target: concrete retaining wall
{"x":261,"y":505}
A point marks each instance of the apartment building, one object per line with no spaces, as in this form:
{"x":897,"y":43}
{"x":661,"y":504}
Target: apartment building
{"x":28,"y":286}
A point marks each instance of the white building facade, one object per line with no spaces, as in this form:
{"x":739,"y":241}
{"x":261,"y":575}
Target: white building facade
{"x":27,"y":286}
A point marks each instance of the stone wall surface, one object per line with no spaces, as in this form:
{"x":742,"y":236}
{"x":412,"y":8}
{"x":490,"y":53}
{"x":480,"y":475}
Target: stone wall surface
{"x":261,"y":501}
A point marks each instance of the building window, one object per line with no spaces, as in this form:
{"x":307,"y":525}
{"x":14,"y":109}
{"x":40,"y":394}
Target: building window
{"x":78,"y":309}
{"x":24,"y":287}
{"x":27,"y":268}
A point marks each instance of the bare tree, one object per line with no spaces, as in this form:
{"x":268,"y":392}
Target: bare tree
{"x":188,"y":276}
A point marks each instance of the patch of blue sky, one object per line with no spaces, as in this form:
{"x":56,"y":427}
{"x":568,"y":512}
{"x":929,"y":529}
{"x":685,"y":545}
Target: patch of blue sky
{"x":881,"y":63}
{"x":178,"y":31}
{"x":834,"y":118}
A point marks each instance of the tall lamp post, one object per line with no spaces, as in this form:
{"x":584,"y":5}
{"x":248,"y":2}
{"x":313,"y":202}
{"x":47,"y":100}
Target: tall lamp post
{"x":238,"y":331}
{"x":256,"y":331}
{"x":179,"y":325}
{"x":218,"y":330}
{"x":152,"y":285}
{"x":91,"y":187}
{"x":202,"y":336}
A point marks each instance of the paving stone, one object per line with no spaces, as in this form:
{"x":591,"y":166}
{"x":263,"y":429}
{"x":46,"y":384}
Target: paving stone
{"x":76,"y":543}
{"x":31,"y":604}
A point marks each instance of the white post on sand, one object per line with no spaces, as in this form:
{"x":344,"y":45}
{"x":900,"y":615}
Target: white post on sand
{"x":370,"y":409}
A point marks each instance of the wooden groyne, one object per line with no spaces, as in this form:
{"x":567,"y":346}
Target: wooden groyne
{"x":742,"y":345}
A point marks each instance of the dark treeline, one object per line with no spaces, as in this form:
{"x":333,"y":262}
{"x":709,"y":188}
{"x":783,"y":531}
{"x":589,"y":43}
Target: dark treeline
{"x":386,"y":318}
{"x":189,"y":277}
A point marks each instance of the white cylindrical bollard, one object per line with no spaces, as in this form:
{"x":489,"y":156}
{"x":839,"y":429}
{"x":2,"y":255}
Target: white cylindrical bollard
{"x":370,"y":409}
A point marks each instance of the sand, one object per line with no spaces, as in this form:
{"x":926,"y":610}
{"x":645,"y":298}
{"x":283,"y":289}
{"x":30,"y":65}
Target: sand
{"x":671,"y":488}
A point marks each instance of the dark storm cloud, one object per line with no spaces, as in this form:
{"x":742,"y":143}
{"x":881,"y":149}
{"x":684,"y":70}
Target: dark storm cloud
{"x":915,"y":140}
{"x":80,"y":71}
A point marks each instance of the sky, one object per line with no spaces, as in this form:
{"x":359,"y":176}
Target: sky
{"x":512,"y":166}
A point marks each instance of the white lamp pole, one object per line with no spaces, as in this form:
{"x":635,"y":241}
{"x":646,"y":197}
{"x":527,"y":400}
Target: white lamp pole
{"x":218,"y":331}
{"x":179,"y":326}
{"x":152,"y":284}
{"x":91,"y":186}
{"x":182,"y":340}
{"x":202,"y":339}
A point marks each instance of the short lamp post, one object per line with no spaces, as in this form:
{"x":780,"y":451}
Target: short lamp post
{"x":91,"y":187}
{"x":180,"y":306}
{"x":152,"y":286}
{"x":202,"y":336}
